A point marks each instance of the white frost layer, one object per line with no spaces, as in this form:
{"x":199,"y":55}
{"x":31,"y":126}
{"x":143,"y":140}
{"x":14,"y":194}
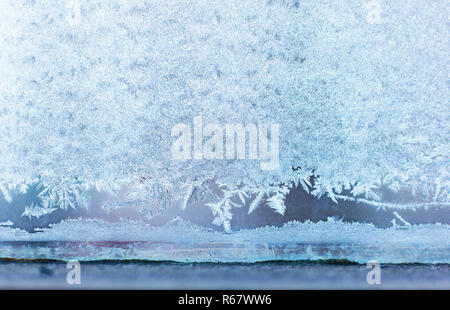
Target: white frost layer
{"x":91,"y":100}
{"x":180,"y":241}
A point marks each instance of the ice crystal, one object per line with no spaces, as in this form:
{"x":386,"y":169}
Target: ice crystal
{"x":89,"y":94}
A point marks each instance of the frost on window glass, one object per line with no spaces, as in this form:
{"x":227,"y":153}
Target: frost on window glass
{"x":90,"y":92}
